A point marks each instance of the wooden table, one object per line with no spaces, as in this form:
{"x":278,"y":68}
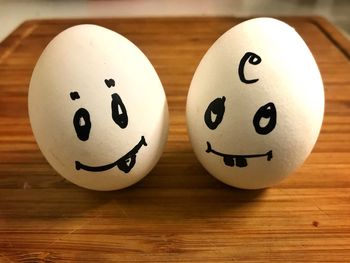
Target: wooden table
{"x":178,"y":212}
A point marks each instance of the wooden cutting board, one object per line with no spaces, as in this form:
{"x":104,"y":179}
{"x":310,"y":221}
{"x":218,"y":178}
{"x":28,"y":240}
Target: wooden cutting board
{"x":178,"y":212}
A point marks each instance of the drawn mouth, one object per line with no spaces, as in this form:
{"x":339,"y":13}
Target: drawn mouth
{"x":238,"y":160}
{"x":125,"y":163}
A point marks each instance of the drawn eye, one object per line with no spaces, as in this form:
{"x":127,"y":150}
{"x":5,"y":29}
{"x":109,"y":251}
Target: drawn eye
{"x":82,"y":124}
{"x":119,"y":114}
{"x":267,"y":111}
{"x":214,"y":113}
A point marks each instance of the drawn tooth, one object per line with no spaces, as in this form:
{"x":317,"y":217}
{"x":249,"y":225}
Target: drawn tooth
{"x":128,"y":161}
{"x":229,"y":161}
{"x":241,"y":161}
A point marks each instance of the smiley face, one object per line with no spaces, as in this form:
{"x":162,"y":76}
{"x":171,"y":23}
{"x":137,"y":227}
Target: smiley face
{"x":82,"y":126}
{"x":255,"y":104}
{"x":97,"y":108}
{"x":215,"y":111}
{"x":213,"y":117}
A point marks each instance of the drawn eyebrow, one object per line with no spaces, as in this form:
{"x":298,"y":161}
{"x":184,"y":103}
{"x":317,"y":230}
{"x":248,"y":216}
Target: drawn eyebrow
{"x":74,"y":95}
{"x":110,"y":82}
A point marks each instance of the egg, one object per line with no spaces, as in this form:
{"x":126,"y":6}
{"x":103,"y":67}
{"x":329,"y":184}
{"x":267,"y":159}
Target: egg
{"x":97,"y":108}
{"x":255,"y":104}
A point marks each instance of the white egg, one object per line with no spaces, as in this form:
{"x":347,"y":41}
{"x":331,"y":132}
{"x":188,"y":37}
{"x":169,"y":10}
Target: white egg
{"x":255,"y":105}
{"x":97,"y":108}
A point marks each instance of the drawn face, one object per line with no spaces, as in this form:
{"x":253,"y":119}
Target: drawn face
{"x":97,"y":108}
{"x":82,"y":126}
{"x":255,"y":105}
{"x":215,"y":111}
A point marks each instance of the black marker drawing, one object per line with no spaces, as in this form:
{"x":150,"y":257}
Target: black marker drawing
{"x":110,"y":82}
{"x":253,"y":59}
{"x":74,"y":95}
{"x":267,"y":111}
{"x":82,"y":124}
{"x":241,"y":160}
{"x":125,"y":163}
{"x":119,"y":114}
{"x":216,"y":110}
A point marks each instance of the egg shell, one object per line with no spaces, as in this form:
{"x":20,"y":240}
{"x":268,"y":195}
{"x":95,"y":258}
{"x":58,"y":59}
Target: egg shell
{"x":83,"y":68}
{"x":286,"y":77}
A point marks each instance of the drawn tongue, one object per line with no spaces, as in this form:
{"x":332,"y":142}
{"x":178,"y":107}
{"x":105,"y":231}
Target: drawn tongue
{"x":229,"y":161}
{"x":127,"y":163}
{"x":269,"y":155}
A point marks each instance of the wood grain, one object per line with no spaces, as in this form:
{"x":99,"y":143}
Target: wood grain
{"x":178,"y":213}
